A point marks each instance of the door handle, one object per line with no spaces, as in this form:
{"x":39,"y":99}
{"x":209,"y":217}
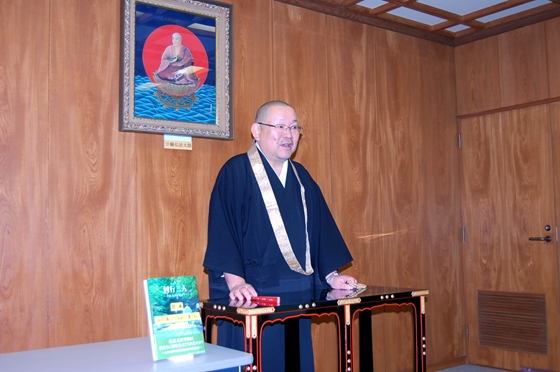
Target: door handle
{"x":547,"y":238}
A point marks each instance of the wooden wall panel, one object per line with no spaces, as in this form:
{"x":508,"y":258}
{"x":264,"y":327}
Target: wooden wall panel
{"x":477,"y":76}
{"x":439,"y":142}
{"x":355,"y":187}
{"x":23,"y":174}
{"x":92,"y":247}
{"x":522,"y":62}
{"x":252,"y":63}
{"x":301,"y":78}
{"x":400,"y":155}
{"x":553,"y":54}
{"x":514,"y":68}
{"x":353,"y":164}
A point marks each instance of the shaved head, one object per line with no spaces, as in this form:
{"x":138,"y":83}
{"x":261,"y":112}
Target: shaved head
{"x":263,"y":111}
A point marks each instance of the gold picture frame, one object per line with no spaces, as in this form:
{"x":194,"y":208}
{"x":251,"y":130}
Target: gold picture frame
{"x":176,"y":68}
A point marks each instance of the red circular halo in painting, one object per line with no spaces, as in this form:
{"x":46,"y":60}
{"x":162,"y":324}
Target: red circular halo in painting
{"x":160,"y":39}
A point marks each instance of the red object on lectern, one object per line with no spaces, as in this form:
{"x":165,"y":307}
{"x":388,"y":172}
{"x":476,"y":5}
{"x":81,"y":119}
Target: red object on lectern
{"x":266,"y":300}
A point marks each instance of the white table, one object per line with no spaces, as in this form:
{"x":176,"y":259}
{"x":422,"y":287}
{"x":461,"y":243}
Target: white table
{"x":129,"y":355}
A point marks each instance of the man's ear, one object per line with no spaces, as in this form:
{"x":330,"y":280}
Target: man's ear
{"x":256,"y":131}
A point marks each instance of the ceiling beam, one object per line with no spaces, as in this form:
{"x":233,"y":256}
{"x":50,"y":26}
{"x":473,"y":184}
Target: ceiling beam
{"x":372,"y":21}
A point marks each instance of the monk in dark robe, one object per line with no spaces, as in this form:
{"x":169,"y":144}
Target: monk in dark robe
{"x":245,"y":257}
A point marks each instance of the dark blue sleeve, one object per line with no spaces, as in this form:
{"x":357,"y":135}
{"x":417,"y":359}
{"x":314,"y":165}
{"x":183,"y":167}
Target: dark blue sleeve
{"x":225,"y":227}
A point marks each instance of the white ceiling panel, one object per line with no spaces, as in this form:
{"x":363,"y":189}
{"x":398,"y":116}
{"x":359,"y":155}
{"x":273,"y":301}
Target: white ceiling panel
{"x":416,"y":16}
{"x":461,"y":7}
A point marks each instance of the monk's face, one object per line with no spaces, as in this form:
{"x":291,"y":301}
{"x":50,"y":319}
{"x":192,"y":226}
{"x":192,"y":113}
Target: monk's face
{"x":177,"y":39}
{"x":277,"y":145}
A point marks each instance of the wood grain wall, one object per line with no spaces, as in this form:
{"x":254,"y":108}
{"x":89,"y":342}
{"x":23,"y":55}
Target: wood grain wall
{"x":508,"y":71}
{"x":87,"y":212}
{"x":24,"y":117}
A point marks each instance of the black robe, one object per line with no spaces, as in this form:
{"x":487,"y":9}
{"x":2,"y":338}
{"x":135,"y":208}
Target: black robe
{"x":241,"y":242}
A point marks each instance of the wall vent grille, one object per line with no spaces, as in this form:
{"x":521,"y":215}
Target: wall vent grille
{"x":512,"y":321}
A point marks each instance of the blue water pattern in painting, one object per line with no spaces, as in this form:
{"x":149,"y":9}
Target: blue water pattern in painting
{"x":147,"y":105}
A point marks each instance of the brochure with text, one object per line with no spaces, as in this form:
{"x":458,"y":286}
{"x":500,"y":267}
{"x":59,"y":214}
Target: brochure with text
{"x":174,"y":321}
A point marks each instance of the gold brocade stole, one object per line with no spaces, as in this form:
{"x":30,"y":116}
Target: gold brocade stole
{"x":274,"y":213}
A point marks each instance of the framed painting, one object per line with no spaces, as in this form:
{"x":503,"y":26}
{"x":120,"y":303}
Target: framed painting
{"x":176,"y":68}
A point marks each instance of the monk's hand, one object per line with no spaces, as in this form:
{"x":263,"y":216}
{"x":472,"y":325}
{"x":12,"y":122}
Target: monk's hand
{"x":242,"y":291}
{"x":343,"y":282}
{"x":238,"y":288}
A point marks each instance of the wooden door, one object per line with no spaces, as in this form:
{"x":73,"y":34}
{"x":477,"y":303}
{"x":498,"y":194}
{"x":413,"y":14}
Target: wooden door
{"x":511,"y":282}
